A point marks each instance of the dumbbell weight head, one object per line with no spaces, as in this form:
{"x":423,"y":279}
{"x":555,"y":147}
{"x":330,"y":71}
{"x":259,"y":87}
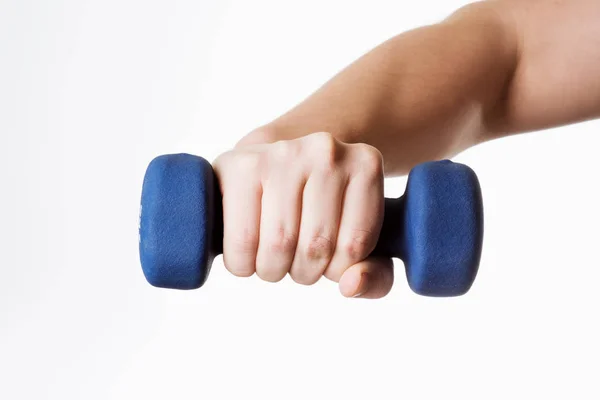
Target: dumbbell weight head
{"x":436,"y":227}
{"x":180,"y":221}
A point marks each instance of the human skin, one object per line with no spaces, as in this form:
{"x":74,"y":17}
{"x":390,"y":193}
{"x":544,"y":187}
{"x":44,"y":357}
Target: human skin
{"x":314,"y":201}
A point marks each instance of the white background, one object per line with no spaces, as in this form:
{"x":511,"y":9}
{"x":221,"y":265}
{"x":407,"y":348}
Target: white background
{"x":91,"y":91}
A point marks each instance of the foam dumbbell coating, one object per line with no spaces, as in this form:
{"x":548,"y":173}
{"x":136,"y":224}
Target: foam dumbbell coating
{"x":436,"y":228}
{"x":180,"y":220}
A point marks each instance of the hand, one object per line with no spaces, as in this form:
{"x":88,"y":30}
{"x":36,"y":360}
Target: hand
{"x":309,"y":207}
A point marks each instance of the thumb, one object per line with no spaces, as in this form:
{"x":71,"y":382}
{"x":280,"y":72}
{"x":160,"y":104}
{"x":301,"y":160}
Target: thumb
{"x":369,"y":279}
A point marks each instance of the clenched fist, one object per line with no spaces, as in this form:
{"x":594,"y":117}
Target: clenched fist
{"x":309,"y":207}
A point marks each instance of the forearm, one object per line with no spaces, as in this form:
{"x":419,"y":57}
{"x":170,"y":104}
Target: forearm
{"x":425,"y":94}
{"x":492,"y":69}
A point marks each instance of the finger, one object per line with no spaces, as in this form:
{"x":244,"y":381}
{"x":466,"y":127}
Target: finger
{"x":370,"y":279}
{"x":242,"y":192}
{"x":321,"y":209}
{"x":279,"y":226}
{"x":362,"y":214}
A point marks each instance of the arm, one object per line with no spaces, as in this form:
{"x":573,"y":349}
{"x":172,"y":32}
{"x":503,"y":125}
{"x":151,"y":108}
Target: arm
{"x":491,"y":69}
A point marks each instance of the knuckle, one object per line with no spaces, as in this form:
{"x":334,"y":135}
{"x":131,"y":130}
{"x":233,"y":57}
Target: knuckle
{"x":370,"y":160}
{"x":326,"y":150}
{"x":275,"y":256}
{"x":315,"y":257}
{"x":282,"y":243}
{"x":359,"y":245}
{"x":245,"y":244}
{"x":323,"y":138}
{"x":319,"y":248}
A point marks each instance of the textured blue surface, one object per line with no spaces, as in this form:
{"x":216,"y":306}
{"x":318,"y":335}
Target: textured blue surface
{"x":177,"y":221}
{"x":443,"y":228}
{"x":436,"y":227}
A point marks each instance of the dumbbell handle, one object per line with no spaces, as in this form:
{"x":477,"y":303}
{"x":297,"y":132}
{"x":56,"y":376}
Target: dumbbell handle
{"x":390,"y":242}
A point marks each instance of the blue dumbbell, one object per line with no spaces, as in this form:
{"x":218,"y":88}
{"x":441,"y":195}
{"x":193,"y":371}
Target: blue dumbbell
{"x":436,"y":227}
